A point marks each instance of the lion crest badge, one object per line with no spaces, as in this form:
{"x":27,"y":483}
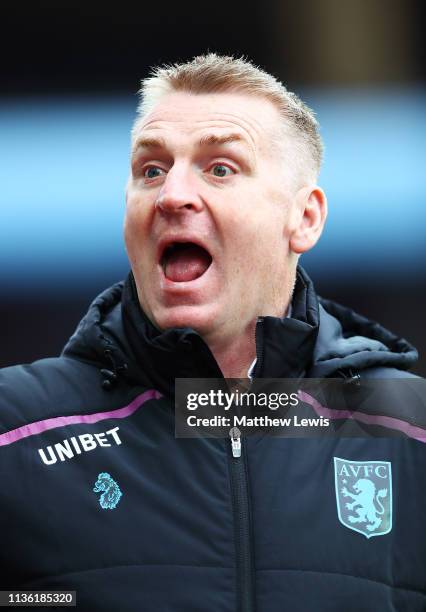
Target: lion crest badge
{"x":364,"y":495}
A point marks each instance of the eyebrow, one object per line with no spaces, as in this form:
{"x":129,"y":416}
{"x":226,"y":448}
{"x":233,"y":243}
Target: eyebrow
{"x":149,"y":143}
{"x":208,"y":140}
{"x":215,"y":139}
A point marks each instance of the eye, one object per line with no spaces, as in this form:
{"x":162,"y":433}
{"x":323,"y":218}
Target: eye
{"x":221,"y":170}
{"x":153,"y":172}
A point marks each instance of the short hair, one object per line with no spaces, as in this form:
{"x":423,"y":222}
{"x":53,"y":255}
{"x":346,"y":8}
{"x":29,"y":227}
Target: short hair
{"x":213,"y":73}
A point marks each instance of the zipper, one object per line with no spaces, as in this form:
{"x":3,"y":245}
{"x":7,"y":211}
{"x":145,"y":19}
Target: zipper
{"x":235,"y":435}
{"x":241,"y":507}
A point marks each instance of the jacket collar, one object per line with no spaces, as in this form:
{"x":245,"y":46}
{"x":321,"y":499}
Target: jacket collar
{"x":284,"y":346}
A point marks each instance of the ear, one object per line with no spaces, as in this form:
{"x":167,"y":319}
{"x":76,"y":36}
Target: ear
{"x":310,"y":216}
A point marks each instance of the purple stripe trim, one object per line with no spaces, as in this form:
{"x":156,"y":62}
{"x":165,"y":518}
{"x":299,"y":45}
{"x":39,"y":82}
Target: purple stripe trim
{"x":412,"y":431}
{"x":33,"y":429}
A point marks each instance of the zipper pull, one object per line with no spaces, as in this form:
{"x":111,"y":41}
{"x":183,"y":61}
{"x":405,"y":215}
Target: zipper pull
{"x":235,"y":435}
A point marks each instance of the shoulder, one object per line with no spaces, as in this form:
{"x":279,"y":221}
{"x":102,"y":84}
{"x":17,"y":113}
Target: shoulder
{"x":46,"y":388}
{"x":387,"y":373}
{"x":395,"y":399}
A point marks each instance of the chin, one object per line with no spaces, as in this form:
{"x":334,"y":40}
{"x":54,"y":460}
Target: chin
{"x":199,"y":318}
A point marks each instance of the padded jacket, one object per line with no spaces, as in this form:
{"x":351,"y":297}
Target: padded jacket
{"x":98,"y":496}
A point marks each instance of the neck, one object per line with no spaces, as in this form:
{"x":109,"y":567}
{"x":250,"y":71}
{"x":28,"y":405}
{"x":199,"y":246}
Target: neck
{"x":235,"y":358}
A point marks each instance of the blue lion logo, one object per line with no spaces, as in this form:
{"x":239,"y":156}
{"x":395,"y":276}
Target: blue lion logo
{"x":111,"y":491}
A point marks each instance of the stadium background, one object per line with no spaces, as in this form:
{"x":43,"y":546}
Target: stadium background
{"x":70,"y":73}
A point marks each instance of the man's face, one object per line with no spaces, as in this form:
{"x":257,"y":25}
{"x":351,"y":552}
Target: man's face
{"x":208,"y":204}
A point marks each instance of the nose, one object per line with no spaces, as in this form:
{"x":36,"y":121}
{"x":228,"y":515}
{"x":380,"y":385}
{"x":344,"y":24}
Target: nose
{"x":179,"y":192}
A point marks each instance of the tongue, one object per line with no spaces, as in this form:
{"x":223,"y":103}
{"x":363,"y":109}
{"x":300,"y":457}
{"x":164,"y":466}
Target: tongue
{"x":187,"y":263}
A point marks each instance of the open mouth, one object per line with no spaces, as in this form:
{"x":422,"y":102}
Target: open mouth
{"x":185,"y":261}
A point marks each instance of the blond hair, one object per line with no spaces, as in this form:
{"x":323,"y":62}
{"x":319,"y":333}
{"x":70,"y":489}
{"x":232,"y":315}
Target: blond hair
{"x":212,"y":73}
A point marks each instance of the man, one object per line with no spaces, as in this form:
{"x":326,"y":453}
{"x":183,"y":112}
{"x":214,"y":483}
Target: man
{"x":236,"y":210}
{"x":98,"y":496}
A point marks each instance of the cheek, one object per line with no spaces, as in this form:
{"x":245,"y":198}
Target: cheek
{"x":254,"y":232}
{"x":135,"y":242}
{"x":136,"y":221}
{"x":129,"y":234}
{"x":261,"y":253}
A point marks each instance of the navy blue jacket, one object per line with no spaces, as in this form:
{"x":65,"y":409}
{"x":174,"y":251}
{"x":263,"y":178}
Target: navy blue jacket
{"x":98,"y":496}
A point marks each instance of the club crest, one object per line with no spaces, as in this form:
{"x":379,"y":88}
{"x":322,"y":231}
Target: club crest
{"x":364,"y":495}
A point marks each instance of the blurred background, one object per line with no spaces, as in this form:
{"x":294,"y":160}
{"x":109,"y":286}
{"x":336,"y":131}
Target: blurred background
{"x":69,"y":77}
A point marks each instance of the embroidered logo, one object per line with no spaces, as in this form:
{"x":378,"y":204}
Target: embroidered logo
{"x":364,"y":495}
{"x":111,"y":491}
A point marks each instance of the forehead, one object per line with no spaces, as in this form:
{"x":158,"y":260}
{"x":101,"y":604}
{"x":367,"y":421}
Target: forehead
{"x":180,"y":114}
